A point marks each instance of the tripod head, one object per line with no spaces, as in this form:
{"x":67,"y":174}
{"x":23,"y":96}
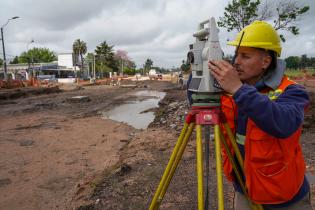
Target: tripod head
{"x":205,"y":48}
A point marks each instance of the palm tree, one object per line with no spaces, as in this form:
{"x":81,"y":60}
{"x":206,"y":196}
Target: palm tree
{"x":79,"y":49}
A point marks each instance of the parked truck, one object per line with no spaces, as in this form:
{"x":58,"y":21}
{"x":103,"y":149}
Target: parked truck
{"x":153,"y":75}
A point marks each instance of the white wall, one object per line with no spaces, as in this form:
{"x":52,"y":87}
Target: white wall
{"x":66,"y":60}
{"x":66,"y":80}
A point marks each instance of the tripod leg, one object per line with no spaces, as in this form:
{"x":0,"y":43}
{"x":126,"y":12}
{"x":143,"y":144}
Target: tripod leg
{"x":207,"y":159}
{"x":177,"y":160}
{"x":199,"y":167}
{"x":156,"y":199}
{"x":234,"y":146}
{"x":218,"y":167}
{"x":231,"y":159}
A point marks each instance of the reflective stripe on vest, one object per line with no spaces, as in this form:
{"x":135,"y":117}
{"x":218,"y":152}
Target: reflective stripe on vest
{"x":273,"y":95}
{"x":240,"y":139}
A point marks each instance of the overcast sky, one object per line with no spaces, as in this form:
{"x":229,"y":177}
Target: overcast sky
{"x":156,"y":29}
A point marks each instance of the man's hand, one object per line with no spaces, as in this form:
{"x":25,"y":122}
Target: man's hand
{"x":226,"y":75}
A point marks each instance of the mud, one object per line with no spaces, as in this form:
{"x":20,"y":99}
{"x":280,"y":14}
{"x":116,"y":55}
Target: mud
{"x":55,"y":154}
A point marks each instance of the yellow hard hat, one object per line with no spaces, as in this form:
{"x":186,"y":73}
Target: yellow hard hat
{"x":259,"y":34}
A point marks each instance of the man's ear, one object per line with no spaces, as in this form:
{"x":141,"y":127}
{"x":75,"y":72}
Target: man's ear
{"x":266,"y":61}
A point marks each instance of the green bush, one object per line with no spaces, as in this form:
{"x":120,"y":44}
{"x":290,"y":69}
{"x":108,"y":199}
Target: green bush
{"x":299,"y":73}
{"x":129,"y":71}
{"x":294,"y":73}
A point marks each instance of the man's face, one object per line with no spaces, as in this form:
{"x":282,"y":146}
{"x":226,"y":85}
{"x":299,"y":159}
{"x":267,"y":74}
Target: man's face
{"x":251,"y":63}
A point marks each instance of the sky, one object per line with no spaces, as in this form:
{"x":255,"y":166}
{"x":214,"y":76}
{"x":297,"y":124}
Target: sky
{"x":157,"y":29}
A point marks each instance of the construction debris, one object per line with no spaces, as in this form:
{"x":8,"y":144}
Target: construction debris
{"x":78,"y":99}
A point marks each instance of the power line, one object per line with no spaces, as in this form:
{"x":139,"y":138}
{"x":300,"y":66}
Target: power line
{"x":9,"y":55}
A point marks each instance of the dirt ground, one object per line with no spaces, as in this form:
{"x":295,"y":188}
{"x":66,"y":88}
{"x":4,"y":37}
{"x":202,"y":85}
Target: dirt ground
{"x":56,"y":153}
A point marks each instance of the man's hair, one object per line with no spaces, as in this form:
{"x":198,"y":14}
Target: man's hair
{"x":273,"y":64}
{"x":273,"y":55}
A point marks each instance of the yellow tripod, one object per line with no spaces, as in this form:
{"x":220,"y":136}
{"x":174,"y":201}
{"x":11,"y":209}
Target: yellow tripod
{"x":196,"y":118}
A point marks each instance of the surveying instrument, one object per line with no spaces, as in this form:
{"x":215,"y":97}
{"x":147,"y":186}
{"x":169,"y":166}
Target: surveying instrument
{"x":204,"y":113}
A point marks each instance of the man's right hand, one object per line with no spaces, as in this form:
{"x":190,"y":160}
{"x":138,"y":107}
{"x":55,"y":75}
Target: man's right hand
{"x":226,"y":75}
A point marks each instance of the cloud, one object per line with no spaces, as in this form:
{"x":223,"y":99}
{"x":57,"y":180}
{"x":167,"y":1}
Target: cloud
{"x":58,"y":14}
{"x":160,"y":30}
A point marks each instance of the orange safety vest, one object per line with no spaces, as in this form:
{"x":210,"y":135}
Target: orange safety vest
{"x":274,"y":168}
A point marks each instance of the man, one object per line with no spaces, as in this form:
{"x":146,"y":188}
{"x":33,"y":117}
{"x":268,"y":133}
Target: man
{"x":266,"y":111}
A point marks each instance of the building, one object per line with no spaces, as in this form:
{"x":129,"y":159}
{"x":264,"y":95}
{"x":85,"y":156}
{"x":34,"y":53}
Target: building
{"x":64,"y":69}
{"x":67,"y":60}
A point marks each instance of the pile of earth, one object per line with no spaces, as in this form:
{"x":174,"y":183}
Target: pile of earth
{"x":172,"y":110}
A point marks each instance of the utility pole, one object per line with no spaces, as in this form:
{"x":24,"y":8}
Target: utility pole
{"x":122,"y":67}
{"x":94,"y":66}
{"x":3,"y":48}
{"x":4,"y":58}
{"x":29,"y":60}
{"x":88,"y":71}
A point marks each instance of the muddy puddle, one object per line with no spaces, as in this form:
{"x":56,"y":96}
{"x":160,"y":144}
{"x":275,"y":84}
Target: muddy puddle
{"x":135,"y":113}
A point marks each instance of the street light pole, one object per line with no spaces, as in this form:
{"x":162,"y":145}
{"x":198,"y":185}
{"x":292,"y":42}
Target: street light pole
{"x":3,"y":48}
{"x":29,"y":60}
{"x":94,"y":66}
{"x":4,"y":58}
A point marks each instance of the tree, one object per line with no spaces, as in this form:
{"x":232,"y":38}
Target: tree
{"x":163,"y":70}
{"x":122,"y":58}
{"x":105,"y":58}
{"x":37,"y":55}
{"x":128,"y":66}
{"x":238,"y":14}
{"x":293,"y":62}
{"x":284,"y":15}
{"x":79,"y":49}
{"x":122,"y":54}
{"x":148,"y":64}
{"x":15,"y":60}
{"x":1,"y":62}
{"x":304,"y":62}
{"x":131,"y":64}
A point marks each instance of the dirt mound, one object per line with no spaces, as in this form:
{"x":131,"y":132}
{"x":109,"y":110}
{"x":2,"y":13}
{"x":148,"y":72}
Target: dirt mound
{"x":6,"y":94}
{"x":172,"y":110}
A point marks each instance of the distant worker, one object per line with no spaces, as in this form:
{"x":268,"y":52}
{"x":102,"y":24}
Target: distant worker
{"x":189,"y":61}
{"x":265,"y":109}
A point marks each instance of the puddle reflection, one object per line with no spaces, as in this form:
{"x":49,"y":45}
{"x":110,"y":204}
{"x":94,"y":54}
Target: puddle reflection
{"x":131,"y":113}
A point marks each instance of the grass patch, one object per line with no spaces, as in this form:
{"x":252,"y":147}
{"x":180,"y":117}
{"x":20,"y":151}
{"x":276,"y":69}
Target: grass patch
{"x":299,"y":72}
{"x":294,"y":73}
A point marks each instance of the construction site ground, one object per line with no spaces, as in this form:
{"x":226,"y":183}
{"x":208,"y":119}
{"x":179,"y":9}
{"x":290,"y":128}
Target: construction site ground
{"x":57,"y":153}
